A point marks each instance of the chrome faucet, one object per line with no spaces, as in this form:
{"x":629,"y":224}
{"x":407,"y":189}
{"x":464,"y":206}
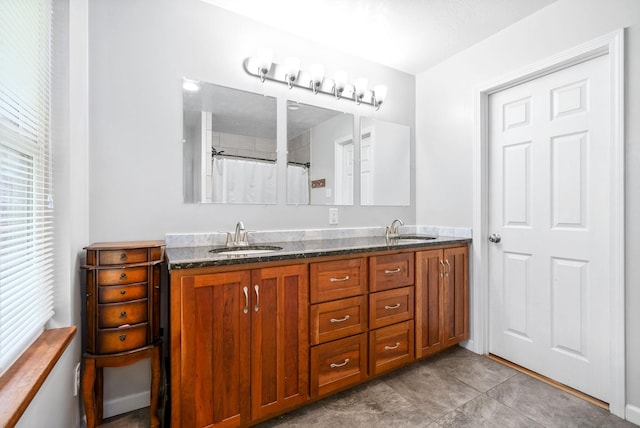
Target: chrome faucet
{"x":392,"y":231}
{"x":239,"y":238}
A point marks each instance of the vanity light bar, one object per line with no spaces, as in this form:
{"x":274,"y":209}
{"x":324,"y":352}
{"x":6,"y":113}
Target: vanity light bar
{"x":290,"y":74}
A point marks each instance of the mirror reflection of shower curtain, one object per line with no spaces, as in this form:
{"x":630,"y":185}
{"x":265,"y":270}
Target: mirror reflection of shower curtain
{"x":243,"y":181}
{"x":297,"y":185}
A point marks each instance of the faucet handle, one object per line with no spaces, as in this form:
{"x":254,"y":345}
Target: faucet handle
{"x":229,"y":239}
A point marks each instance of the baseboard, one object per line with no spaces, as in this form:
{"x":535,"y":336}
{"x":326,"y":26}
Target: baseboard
{"x":125,"y":404}
{"x":469,"y":345}
{"x":632,"y":414}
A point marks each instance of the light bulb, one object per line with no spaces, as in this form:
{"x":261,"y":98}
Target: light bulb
{"x":360,"y":85}
{"x":380,"y":94}
{"x":292,"y":68}
{"x":317,"y":75}
{"x":340,"y":82}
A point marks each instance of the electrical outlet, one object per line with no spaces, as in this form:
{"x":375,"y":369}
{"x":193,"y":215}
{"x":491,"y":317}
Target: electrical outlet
{"x":333,"y":216}
{"x":76,"y":380}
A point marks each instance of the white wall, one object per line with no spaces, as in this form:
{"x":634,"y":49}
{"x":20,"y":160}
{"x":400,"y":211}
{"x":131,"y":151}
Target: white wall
{"x":138,"y":53}
{"x":444,"y":125}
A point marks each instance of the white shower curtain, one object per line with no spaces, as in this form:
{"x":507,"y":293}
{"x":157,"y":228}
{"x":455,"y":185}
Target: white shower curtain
{"x":297,"y":185}
{"x":243,"y":181}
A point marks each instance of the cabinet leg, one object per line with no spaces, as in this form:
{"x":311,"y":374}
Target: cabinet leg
{"x":155,"y":386}
{"x":88,"y":391}
{"x":99,"y":393}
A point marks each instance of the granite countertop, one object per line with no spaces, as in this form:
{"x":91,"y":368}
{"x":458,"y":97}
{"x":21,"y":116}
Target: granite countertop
{"x":194,"y":257}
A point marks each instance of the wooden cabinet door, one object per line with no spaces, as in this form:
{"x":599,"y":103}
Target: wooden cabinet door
{"x":455,"y":296}
{"x":280,"y":339}
{"x":428,"y":296}
{"x":215,"y":330}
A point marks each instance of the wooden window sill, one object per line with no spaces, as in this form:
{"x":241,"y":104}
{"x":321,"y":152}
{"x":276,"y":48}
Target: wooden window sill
{"x":24,"y":378}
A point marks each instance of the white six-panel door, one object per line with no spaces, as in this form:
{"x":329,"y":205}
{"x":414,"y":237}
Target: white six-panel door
{"x":549,"y":179}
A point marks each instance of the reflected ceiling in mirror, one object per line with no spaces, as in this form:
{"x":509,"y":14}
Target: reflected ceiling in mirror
{"x":229,"y":145}
{"x":385,"y":152}
{"x":320,"y":150}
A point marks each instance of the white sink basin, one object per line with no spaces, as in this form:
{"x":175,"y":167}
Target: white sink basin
{"x":245,"y":251}
{"x":413,"y":239}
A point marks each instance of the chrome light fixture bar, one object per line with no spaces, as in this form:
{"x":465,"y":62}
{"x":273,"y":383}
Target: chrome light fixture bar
{"x":290,"y":74}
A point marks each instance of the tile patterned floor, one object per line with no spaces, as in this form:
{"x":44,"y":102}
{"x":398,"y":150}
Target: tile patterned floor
{"x":454,"y":389}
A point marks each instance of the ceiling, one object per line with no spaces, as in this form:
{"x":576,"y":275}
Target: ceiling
{"x":408,"y":35}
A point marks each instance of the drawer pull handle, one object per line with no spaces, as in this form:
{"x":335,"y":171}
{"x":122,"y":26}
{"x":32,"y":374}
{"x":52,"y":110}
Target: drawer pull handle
{"x":123,"y":292}
{"x":390,"y":271}
{"x":396,"y":306}
{"x":344,"y":278}
{"x":123,"y":256}
{"x":342,"y":364}
{"x":123,"y":314}
{"x":246,"y":300}
{"x":123,"y":275}
{"x":122,"y":337}
{"x":346,"y":317}
{"x":391,"y":348}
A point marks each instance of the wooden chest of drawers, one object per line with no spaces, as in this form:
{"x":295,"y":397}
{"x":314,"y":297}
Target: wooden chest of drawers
{"x":121,"y":308}
{"x":122,"y":305}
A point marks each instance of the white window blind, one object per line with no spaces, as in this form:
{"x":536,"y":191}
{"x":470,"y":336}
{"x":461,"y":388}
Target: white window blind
{"x":26,"y":201}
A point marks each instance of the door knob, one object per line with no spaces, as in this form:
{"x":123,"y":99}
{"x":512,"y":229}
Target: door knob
{"x":495,"y":238}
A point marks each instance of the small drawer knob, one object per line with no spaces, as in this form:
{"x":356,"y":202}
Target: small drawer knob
{"x":122,"y":337}
{"x":123,"y":256}
{"x":123,"y":292}
{"x":123,"y":314}
{"x":123,"y":275}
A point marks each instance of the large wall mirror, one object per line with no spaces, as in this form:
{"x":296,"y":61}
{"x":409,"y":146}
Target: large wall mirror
{"x":385,"y":163}
{"x":320,"y":162}
{"x":229,"y":145}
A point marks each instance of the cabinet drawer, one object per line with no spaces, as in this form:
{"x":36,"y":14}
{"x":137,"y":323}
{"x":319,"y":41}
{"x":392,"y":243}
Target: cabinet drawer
{"x":338,"y":364}
{"x":338,"y":279}
{"x":114,"y":340}
{"x":390,"y":306}
{"x":337,"y":319}
{"x":391,"y":347}
{"x":113,"y":294}
{"x":120,"y":257}
{"x":122,"y":276}
{"x":117,"y":314}
{"x":392,"y":271}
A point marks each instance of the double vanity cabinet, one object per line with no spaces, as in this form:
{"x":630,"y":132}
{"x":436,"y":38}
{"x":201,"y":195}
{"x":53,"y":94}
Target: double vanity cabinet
{"x":251,"y":339}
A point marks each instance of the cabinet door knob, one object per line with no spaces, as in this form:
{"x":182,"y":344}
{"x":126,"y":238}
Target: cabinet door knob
{"x":448,"y":267}
{"x":122,"y":337}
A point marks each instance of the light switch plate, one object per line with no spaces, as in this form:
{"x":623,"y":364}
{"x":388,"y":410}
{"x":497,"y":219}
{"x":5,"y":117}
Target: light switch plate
{"x":333,"y":216}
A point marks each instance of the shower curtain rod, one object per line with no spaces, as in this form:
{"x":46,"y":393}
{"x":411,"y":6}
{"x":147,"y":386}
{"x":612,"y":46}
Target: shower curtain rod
{"x":214,"y":152}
